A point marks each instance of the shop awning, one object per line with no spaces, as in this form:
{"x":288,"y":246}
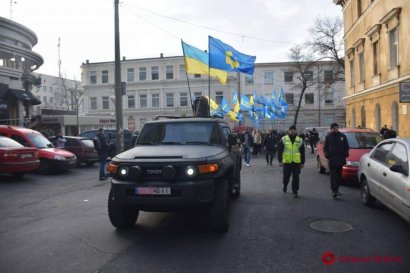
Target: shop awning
{"x":24,"y":96}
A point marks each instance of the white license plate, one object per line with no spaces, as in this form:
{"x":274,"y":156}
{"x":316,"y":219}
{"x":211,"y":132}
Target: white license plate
{"x":153,"y":190}
{"x":26,"y":155}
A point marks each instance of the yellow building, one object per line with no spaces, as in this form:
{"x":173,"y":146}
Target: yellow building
{"x":377,"y":61}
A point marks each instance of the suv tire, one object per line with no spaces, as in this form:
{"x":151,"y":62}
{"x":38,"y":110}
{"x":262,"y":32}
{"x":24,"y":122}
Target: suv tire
{"x":219,"y":210}
{"x":236,"y":185}
{"x":120,"y":216}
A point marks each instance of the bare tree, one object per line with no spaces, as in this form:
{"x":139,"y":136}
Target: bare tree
{"x":327,"y":42}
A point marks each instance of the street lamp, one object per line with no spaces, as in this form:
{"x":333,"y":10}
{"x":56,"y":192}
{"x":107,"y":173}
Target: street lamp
{"x":118,"y":91}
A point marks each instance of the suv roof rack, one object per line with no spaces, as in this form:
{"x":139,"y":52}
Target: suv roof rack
{"x":178,"y":117}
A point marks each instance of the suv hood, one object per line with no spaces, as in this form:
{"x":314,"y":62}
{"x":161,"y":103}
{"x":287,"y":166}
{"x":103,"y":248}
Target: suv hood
{"x":171,"y":151}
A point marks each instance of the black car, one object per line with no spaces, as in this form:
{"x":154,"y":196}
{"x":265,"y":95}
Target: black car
{"x":177,"y":164}
{"x":130,"y":137}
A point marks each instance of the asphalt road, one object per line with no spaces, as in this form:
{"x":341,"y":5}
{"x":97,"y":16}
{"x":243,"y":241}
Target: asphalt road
{"x":59,"y":223}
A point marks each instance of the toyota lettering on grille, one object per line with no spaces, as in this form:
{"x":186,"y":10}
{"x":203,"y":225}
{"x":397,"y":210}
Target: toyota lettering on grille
{"x":154,"y":171}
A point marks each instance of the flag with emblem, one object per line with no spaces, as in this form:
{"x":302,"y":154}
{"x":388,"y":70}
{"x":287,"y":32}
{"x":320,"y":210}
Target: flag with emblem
{"x":224,"y":57}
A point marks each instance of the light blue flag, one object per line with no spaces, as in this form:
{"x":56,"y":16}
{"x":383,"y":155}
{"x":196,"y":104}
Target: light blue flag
{"x":224,"y":57}
{"x":282,"y":99}
{"x":224,"y":106}
{"x":245,"y":103}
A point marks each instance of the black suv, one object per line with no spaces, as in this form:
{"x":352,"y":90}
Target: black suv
{"x":130,"y":138}
{"x":177,"y":164}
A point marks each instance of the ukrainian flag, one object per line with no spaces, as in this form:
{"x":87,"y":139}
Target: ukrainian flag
{"x":196,"y":62}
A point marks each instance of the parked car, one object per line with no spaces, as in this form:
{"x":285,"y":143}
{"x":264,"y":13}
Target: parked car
{"x":384,"y":175}
{"x":130,"y":137}
{"x":17,"y":159}
{"x":51,"y":159}
{"x":82,"y":147}
{"x":360,"y":141}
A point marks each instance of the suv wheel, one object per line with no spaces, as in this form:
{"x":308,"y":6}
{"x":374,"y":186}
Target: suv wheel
{"x":121,"y":217}
{"x":236,"y":185}
{"x":219,"y":210}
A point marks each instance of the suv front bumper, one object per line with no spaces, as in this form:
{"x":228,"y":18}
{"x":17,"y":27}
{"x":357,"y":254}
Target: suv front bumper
{"x":184,"y":195}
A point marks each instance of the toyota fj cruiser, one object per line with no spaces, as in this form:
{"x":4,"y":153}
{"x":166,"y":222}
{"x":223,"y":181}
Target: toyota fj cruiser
{"x":177,"y":164}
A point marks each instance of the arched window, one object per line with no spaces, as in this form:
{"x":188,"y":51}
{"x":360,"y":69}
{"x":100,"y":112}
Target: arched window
{"x":377,"y":114}
{"x":353,"y":119}
{"x":363,"y":117}
{"x":395,"y":117}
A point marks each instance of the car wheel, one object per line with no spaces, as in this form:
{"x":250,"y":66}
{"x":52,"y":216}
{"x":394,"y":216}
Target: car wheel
{"x":320,"y":168}
{"x":45,"y":167}
{"x":120,"y":216}
{"x":367,"y":198}
{"x":18,"y":175}
{"x":219,"y":210}
{"x":89,"y":164}
{"x":236,"y":185}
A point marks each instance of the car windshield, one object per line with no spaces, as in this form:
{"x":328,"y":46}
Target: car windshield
{"x":178,"y":133}
{"x":7,"y":142}
{"x":40,"y":141}
{"x":363,"y":140}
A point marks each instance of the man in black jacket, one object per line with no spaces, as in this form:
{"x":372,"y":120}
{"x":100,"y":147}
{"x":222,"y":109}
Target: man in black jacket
{"x":336,"y":149}
{"x":102,"y":150}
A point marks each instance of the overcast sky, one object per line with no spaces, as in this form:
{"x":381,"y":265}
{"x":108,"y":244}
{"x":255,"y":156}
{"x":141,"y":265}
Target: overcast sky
{"x":264,"y":28}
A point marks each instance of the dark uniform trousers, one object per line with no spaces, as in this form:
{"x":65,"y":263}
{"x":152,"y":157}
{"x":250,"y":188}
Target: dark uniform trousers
{"x":294,"y":170}
{"x":335,"y":176}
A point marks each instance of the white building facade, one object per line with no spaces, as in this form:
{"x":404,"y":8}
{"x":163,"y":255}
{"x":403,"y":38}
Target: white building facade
{"x":159,"y":86}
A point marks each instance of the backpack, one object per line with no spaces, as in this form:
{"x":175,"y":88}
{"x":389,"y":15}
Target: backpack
{"x":97,"y":143}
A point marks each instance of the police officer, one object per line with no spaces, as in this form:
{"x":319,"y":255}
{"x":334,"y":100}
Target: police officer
{"x":291,"y":155}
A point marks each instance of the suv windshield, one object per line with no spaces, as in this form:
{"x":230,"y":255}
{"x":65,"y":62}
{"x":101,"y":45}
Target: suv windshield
{"x":40,"y":141}
{"x":179,"y":133}
{"x":365,"y":140}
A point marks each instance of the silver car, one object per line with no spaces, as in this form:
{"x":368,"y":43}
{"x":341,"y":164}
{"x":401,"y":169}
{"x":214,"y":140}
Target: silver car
{"x":384,"y":175}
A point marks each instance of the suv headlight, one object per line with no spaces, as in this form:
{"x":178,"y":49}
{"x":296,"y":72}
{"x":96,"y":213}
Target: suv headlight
{"x":191,"y":171}
{"x":123,"y":171}
{"x":59,"y":157}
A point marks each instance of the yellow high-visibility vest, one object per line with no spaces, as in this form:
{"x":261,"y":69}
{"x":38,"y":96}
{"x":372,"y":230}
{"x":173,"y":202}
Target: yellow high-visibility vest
{"x":291,"y":152}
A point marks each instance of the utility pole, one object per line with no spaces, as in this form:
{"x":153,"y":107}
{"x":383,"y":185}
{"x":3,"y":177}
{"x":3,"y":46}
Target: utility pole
{"x":118,"y":91}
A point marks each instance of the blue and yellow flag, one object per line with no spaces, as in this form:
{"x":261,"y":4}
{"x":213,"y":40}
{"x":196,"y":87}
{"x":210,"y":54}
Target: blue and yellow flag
{"x":196,"y":62}
{"x":224,"y":57}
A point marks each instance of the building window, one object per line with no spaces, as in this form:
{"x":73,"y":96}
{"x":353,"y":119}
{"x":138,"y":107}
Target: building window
{"x":197,"y":94}
{"x":143,"y":101}
{"x":328,"y":75}
{"x":169,"y":72}
{"x":183,"y":99}
{"x":289,"y":97}
{"x":104,"y":76}
{"x":218,"y":97}
{"x":376,"y":58}
{"x":170,"y":99}
{"x":182,"y":74}
{"x":309,"y":98}
{"x":155,"y":100}
{"x":288,"y":76}
{"x":393,"y":42}
{"x":352,"y":73}
{"x":308,"y":75}
{"x":130,"y":74}
{"x":361,"y":66}
{"x":249,"y":79}
{"x":268,"y":77}
{"x":143,"y":74}
{"x":93,"y":77}
{"x":93,"y":103}
{"x":105,"y":103}
{"x":197,"y":75}
{"x":154,"y":73}
{"x":131,"y":101}
{"x":329,"y":97}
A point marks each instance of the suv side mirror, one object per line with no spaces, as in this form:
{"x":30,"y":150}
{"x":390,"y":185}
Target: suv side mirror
{"x":232,"y":139}
{"x":398,"y":169}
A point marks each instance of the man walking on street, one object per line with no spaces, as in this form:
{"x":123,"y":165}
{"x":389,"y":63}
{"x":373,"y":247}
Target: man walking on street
{"x":101,"y":145}
{"x":291,"y":155}
{"x":269,"y":145}
{"x":336,"y":149}
{"x":247,"y":143}
{"x":313,"y":139}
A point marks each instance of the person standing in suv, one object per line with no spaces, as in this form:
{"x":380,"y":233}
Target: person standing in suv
{"x":101,"y":145}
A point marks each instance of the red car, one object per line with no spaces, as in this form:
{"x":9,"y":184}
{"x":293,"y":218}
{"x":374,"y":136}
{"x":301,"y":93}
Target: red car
{"x":17,"y":159}
{"x":360,"y":141}
{"x":51,"y":159}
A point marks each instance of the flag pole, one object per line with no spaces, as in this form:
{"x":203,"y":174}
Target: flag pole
{"x":186,"y":73}
{"x":209,"y":78}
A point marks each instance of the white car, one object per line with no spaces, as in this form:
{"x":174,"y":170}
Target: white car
{"x":384,"y":175}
